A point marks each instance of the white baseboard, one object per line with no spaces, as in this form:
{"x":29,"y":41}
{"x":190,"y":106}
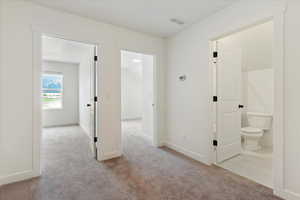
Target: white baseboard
{"x":85,"y":130}
{"x":131,"y":119}
{"x":110,"y":155}
{"x":16,"y":177}
{"x":60,"y":125}
{"x":288,"y":195}
{"x":193,"y":155}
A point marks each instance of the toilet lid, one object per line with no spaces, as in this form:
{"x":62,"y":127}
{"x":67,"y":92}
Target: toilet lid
{"x":251,"y":130}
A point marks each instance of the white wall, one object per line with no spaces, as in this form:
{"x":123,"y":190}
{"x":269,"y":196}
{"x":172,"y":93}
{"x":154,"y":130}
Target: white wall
{"x":18,"y":19}
{"x":188,"y":102}
{"x":132,"y":86}
{"x":68,"y":115}
{"x":131,"y":94}
{"x":259,"y":91}
{"x":257,"y":71}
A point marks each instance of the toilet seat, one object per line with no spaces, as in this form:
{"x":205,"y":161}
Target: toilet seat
{"x":251,"y":131}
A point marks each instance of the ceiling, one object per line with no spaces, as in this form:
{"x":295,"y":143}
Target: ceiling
{"x":149,"y":16}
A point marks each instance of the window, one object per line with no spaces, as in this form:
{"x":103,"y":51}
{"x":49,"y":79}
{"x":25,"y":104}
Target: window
{"x":52,"y":91}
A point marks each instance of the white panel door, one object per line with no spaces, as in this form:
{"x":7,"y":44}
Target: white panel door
{"x":229,"y":71}
{"x":148,"y":96}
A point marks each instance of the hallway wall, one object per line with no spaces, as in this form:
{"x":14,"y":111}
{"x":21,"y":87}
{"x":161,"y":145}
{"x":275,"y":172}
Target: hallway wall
{"x":188,"y":102}
{"x":19,"y":19}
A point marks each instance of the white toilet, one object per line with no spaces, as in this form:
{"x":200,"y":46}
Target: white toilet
{"x":258,"y":124}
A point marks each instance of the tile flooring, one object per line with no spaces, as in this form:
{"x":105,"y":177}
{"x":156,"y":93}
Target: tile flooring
{"x":255,"y":167}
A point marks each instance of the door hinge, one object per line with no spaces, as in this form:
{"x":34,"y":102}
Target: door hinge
{"x":215,"y":143}
{"x":215,"y":54}
{"x":215,"y":98}
{"x":95,"y":139}
{"x":96,"y":99}
{"x":95,"y":58}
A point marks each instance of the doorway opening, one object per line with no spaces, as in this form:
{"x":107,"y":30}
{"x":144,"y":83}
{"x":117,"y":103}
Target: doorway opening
{"x":137,"y":96}
{"x":243,"y":109}
{"x":68,"y":97}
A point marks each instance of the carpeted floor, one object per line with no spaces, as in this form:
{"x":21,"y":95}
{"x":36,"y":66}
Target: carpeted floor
{"x":143,"y":173}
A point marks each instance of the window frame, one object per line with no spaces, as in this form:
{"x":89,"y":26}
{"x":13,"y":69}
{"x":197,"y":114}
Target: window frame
{"x":52,"y":73}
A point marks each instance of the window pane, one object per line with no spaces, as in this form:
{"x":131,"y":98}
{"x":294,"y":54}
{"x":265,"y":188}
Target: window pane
{"x":52,"y":91}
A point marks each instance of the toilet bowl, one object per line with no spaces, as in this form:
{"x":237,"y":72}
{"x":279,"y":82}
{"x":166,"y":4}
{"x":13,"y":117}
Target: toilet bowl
{"x":251,"y":138}
{"x":258,"y":124}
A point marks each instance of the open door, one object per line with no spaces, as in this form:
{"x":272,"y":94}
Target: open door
{"x":148,"y":96}
{"x":229,"y":69}
{"x":93,"y":100}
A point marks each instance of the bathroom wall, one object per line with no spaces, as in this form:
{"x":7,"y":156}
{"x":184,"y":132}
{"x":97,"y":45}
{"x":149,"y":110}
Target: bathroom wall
{"x":257,"y":72}
{"x":131,"y":85}
{"x":258,"y":95}
{"x":137,"y":75}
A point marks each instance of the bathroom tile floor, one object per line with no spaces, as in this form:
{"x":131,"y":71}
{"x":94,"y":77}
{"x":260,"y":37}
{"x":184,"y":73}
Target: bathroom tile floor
{"x":256,"y":168}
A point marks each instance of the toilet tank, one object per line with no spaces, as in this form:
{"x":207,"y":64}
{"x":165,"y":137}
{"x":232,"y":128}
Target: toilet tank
{"x":259,"y":120}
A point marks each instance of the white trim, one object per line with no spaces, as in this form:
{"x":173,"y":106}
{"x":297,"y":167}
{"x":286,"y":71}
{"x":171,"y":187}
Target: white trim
{"x":85,"y":130}
{"x":111,"y":155}
{"x":16,"y":177}
{"x":286,"y":194}
{"x":278,"y":124}
{"x":60,"y":61}
{"x":61,"y":125}
{"x":279,"y":108}
{"x":37,"y":106}
{"x":191,"y":154}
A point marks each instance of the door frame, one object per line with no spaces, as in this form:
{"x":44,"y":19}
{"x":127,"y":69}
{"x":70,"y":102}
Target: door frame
{"x":37,"y":33}
{"x":155,"y":136}
{"x":278,"y":58}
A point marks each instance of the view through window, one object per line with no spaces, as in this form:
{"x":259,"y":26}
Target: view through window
{"x":52,"y":91}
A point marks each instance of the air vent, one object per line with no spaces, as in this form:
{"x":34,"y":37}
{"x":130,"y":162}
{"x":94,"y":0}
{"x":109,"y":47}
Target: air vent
{"x":176,"y":21}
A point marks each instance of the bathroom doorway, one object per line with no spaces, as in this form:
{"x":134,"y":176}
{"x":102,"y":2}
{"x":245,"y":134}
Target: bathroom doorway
{"x":138,"y":97}
{"x":243,"y":90}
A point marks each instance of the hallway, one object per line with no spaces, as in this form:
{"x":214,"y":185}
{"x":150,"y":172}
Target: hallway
{"x":143,"y":173}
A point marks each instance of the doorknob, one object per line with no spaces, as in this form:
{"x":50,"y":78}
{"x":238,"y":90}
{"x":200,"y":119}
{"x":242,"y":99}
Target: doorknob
{"x":88,"y":105}
{"x":241,"y":106}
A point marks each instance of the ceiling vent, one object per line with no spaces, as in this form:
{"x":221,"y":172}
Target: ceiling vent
{"x":177,"y":21}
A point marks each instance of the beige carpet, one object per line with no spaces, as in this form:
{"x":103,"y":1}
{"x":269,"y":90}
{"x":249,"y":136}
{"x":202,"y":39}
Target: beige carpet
{"x":143,"y":173}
